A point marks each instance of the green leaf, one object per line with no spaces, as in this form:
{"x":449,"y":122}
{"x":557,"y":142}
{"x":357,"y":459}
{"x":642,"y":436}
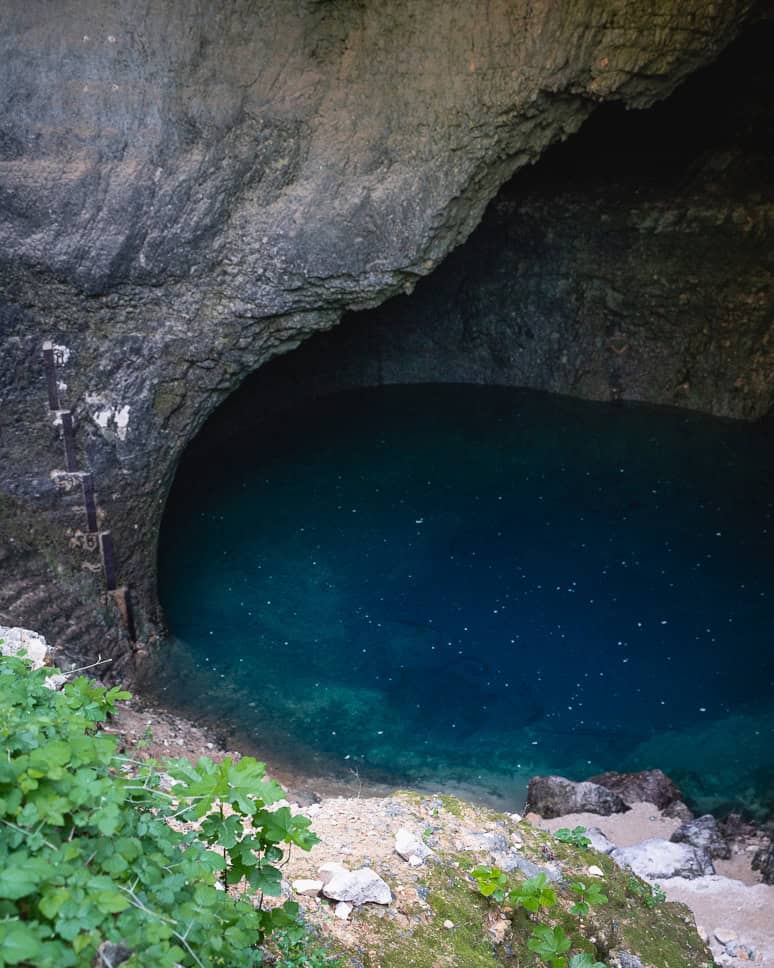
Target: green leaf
{"x":21,"y":875}
{"x":18,"y":942}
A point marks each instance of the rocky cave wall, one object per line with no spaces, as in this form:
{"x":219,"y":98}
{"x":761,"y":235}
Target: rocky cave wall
{"x":632,"y":262}
{"x":189,"y":189}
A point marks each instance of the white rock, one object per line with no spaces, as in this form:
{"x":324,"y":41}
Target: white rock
{"x":415,"y":861}
{"x":357,"y":887}
{"x":657,"y":859}
{"x":448,"y":924}
{"x":725,"y":936}
{"x":343,"y":910}
{"x":595,"y":871}
{"x":307,"y":887}
{"x":329,"y":870}
{"x":16,"y":640}
{"x":599,"y":841}
{"x":408,"y":846}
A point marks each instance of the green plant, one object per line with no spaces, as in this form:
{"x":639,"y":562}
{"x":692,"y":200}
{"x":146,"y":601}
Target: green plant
{"x":550,"y":943}
{"x":297,"y":948}
{"x":89,"y":853}
{"x":588,"y":895}
{"x":145,"y":740}
{"x":585,"y":961}
{"x":575,"y":837}
{"x":532,"y":894}
{"x":651,"y":894}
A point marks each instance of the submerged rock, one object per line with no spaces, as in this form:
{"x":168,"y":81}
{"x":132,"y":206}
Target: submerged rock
{"x":654,"y":859}
{"x":704,"y":833}
{"x":646,"y":786}
{"x":554,"y":796}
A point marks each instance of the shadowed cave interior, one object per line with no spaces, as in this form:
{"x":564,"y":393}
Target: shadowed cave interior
{"x":392,"y":553}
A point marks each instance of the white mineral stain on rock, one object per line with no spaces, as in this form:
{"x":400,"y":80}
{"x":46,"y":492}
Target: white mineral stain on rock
{"x":109,"y":417}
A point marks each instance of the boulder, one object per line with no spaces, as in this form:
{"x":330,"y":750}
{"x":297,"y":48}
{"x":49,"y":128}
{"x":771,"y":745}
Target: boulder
{"x":647,"y":786}
{"x":357,"y":887}
{"x":555,"y":796}
{"x":763,"y":861}
{"x":704,"y":833}
{"x":657,"y":859}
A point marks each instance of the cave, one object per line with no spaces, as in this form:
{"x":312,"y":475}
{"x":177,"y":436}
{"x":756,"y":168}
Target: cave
{"x":387,"y":395}
{"x":618,"y":269}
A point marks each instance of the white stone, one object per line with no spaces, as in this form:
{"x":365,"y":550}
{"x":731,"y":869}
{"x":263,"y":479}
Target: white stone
{"x":448,"y":925}
{"x":408,"y":845}
{"x":343,"y":910}
{"x":307,"y":887}
{"x":599,"y":841}
{"x":415,"y":861}
{"x":725,"y":936}
{"x":329,"y":870}
{"x":595,"y":871}
{"x":15,"y":640}
{"x":357,"y":887}
{"x":655,"y":859}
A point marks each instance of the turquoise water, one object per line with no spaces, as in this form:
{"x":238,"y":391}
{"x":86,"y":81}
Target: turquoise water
{"x":467,"y":585}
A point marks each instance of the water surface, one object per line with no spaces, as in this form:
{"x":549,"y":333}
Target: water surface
{"x":467,"y":585}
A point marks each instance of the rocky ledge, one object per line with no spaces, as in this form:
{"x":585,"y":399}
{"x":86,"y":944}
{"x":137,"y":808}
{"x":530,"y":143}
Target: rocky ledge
{"x":721,"y":870}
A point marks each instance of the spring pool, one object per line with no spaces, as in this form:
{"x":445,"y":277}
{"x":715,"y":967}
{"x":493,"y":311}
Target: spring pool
{"x":461,"y":585}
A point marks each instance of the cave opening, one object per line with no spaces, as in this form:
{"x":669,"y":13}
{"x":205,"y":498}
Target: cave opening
{"x":391,"y":554}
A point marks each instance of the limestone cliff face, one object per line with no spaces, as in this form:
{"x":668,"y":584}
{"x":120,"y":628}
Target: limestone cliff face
{"x":189,"y":188}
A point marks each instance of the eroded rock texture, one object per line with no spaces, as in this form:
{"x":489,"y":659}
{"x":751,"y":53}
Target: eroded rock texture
{"x":188,"y":188}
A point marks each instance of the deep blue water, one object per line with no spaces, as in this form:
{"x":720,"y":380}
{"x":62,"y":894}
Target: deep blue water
{"x":467,"y":585}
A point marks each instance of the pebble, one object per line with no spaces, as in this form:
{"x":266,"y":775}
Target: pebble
{"x":343,"y":910}
{"x":448,"y":924}
{"x":595,"y":871}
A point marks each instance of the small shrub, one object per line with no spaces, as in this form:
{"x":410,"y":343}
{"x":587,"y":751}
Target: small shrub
{"x":575,"y":837}
{"x":589,"y":895}
{"x":87,"y":854}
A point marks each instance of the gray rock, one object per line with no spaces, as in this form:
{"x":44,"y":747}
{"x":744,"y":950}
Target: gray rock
{"x":110,"y":955}
{"x":599,"y":841}
{"x":678,"y":810}
{"x":656,"y":859}
{"x":555,"y":796}
{"x":492,"y":842}
{"x":704,"y":833}
{"x":651,"y":786}
{"x":363,"y":886}
{"x":763,"y":861}
{"x":625,"y":959}
{"x":513,"y":861}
